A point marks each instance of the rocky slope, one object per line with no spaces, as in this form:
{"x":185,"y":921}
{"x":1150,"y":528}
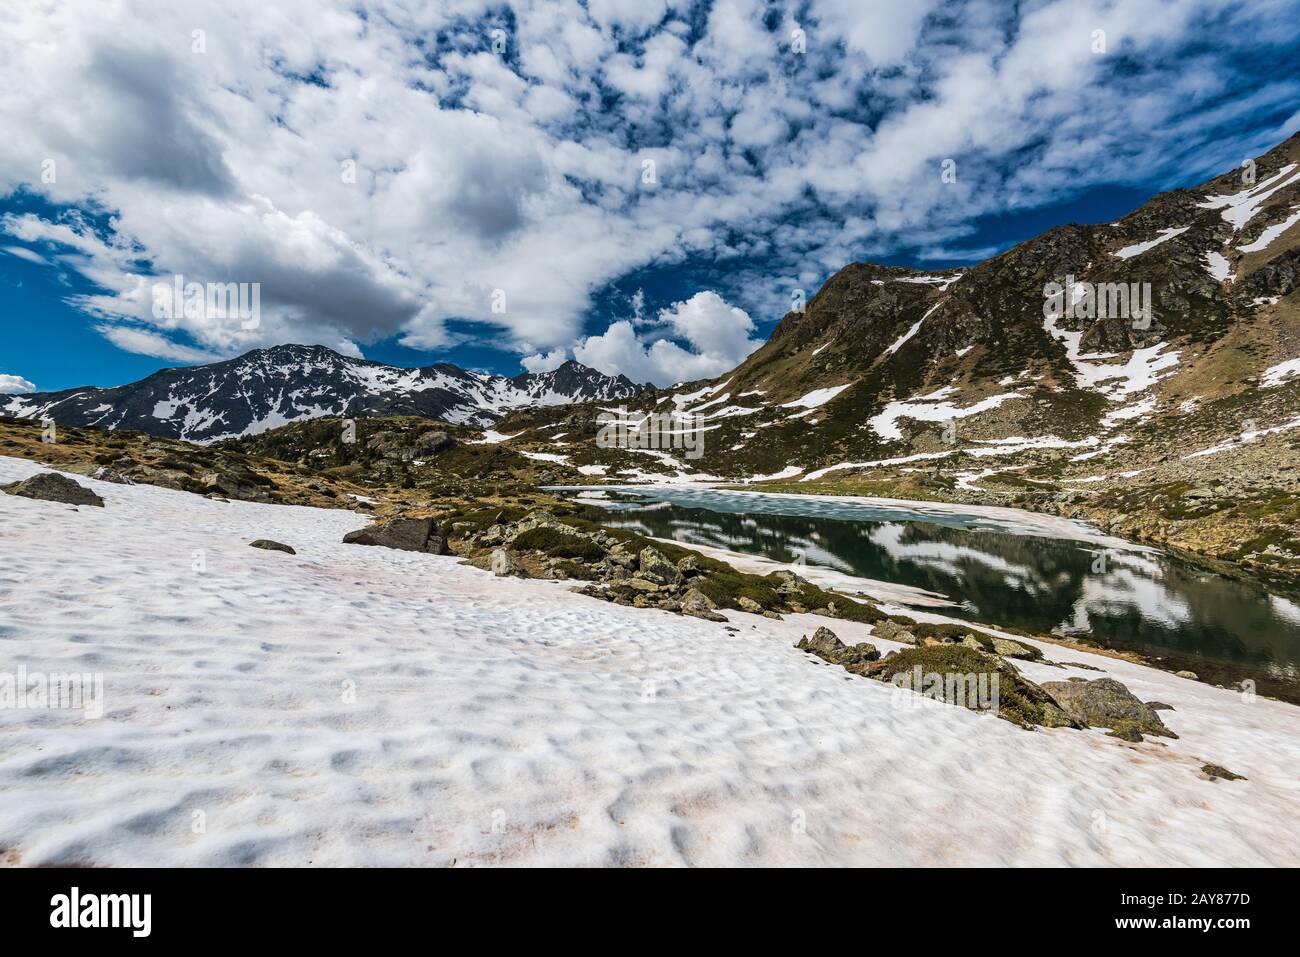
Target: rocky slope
{"x":270,"y":387}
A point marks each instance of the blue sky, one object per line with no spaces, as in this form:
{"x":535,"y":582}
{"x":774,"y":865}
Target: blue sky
{"x":639,"y":185}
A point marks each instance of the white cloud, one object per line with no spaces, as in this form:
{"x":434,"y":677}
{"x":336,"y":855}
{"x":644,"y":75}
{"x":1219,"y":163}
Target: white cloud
{"x":147,"y":343}
{"x":22,"y":252}
{"x":15,"y":385}
{"x":386,"y":175}
{"x":545,"y":362}
{"x":718,"y":335}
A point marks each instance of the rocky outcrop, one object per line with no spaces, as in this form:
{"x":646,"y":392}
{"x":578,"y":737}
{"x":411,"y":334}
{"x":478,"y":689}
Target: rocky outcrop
{"x":407,"y":534}
{"x":1106,"y":703}
{"x":53,"y":487}
{"x":825,"y":644}
{"x":1216,"y":772}
{"x":976,"y":680}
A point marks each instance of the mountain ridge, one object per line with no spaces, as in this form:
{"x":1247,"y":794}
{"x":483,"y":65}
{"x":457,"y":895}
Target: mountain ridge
{"x":268,"y":387}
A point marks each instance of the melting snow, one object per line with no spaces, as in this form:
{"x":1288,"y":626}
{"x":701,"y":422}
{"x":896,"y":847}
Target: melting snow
{"x":1272,"y":232}
{"x":1218,"y":266}
{"x":898,"y":343}
{"x":1240,"y":208}
{"x":1280,"y":373}
{"x":816,"y":397}
{"x":885,"y":424}
{"x":1137,"y":249}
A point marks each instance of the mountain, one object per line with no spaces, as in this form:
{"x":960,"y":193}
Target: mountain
{"x":996,"y":383}
{"x":266,"y":388}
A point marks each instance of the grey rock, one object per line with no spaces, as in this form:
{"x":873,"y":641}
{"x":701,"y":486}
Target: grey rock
{"x":825,"y":644}
{"x":892,"y":631}
{"x":1106,"y":703}
{"x":655,"y":566}
{"x":271,"y":546}
{"x":431,"y":443}
{"x":699,"y":605}
{"x":407,"y":534}
{"x":53,"y":487}
{"x":689,"y":565}
{"x":504,"y":564}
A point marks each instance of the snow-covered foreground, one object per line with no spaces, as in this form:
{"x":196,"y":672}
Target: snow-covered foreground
{"x":354,"y":705}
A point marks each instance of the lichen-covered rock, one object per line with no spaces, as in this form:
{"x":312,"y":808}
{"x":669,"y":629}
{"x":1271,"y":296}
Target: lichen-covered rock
{"x":748,"y":604}
{"x":689,"y":565}
{"x":1106,"y":703}
{"x":893,"y":631}
{"x":698,"y":605}
{"x":1216,"y":772}
{"x":407,"y":534}
{"x":974,"y":679}
{"x":53,"y":487}
{"x":655,"y":566}
{"x":1014,"y":649}
{"x":825,"y":644}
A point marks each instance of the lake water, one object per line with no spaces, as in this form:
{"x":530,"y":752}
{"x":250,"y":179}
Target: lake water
{"x":1165,"y":606}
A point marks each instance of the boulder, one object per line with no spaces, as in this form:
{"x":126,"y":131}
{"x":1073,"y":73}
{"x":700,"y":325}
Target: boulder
{"x":655,"y":566}
{"x":407,"y":534}
{"x":892,"y":631}
{"x":237,"y":485}
{"x":504,"y":564}
{"x":1216,"y":772}
{"x":431,"y":443}
{"x":271,"y":546}
{"x":53,"y":487}
{"x":825,"y":644}
{"x":748,"y":604}
{"x":698,"y":605}
{"x":1105,"y":703}
{"x":791,"y":584}
{"x":623,"y":555}
{"x":689,"y":565}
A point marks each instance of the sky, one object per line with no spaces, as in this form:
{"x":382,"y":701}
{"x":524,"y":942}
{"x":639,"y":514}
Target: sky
{"x":642,"y":185}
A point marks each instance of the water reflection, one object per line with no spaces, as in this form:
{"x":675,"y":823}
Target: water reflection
{"x":1224,"y":628}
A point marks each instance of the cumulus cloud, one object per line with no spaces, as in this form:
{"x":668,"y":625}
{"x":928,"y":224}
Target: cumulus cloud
{"x":15,"y":385}
{"x":545,"y":362}
{"x":385,"y":175}
{"x":718,"y":336}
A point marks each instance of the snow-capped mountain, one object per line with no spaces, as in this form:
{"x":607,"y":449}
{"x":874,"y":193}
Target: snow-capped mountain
{"x":266,"y":388}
